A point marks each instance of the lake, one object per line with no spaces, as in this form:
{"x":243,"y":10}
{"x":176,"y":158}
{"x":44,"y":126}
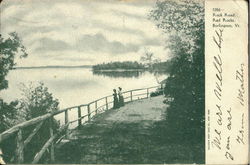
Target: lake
{"x":75,"y":86}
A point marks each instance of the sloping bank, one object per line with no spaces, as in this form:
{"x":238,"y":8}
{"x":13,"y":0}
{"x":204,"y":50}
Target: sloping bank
{"x":131,"y":134}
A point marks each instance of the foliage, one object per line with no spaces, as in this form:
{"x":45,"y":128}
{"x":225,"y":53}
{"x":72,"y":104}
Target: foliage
{"x":8,"y":114}
{"x":129,"y":65}
{"x":9,"y":48}
{"x":37,"y":100}
{"x":156,"y":93}
{"x":118,"y":65}
{"x":183,"y":19}
{"x":183,"y":22}
{"x":162,"y":66}
{"x":148,"y":57}
{"x":117,"y":74}
{"x":186,"y":86}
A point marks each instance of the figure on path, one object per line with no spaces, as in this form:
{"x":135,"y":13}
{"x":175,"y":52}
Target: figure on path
{"x":121,"y":99}
{"x":116,"y":104}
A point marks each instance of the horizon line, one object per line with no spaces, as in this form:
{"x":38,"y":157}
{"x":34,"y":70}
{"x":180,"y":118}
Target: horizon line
{"x":50,"y":66}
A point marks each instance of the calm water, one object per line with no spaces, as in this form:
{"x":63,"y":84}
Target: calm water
{"x":75,"y":86}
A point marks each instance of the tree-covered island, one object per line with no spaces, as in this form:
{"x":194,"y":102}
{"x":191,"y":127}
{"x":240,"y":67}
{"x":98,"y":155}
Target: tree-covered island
{"x":132,"y":65}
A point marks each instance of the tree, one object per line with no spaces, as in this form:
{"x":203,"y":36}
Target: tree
{"x":183,"y":22}
{"x":183,"y":18}
{"x":37,"y":100}
{"x":9,"y":49}
{"x":8,"y":114}
{"x":149,"y":59}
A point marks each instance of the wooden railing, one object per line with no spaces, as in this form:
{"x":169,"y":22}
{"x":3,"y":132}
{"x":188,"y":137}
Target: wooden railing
{"x":85,"y":113}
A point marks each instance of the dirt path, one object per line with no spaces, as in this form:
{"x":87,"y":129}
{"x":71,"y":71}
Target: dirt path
{"x":134,"y":134}
{"x":115,"y":136}
{"x":151,"y":109}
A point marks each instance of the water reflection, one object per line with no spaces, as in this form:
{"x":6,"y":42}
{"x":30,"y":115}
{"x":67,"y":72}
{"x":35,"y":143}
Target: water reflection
{"x":118,"y":74}
{"x":125,"y":73}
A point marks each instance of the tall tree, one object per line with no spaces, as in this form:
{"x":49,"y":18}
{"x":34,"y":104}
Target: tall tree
{"x":183,"y":22}
{"x":10,"y":48}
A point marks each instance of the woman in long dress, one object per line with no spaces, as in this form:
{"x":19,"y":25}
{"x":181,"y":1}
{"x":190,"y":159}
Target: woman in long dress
{"x":121,"y":99}
{"x":116,"y":104}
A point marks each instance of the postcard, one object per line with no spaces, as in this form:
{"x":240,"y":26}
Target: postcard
{"x":124,"y":82}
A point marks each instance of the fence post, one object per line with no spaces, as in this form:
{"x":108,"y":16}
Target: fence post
{"x":147,"y":92}
{"x":131,"y":96}
{"x":66,"y":122}
{"x":106,"y":99}
{"x":52,"y":149}
{"x":88,"y":112}
{"x":20,"y":146}
{"x":79,"y":117}
{"x":95,"y":107}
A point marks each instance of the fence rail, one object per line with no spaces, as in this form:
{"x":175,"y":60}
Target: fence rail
{"x":101,"y":104}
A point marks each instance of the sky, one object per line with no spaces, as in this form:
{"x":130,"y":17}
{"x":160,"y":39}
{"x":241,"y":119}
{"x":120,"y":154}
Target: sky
{"x":82,"y":32}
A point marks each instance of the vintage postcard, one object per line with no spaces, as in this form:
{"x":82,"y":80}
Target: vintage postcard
{"x":124,"y":82}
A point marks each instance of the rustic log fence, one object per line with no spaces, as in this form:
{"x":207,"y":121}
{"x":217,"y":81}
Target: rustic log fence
{"x":90,"y":109}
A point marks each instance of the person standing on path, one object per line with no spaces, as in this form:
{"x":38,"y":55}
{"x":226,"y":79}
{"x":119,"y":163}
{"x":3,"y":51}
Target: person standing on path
{"x":116,"y":104}
{"x":121,"y":99}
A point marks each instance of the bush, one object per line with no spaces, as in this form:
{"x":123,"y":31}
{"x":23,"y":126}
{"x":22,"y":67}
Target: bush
{"x":158,"y":92}
{"x":36,"y":101}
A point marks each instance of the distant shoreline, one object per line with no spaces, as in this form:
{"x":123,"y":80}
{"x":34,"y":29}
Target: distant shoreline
{"x":51,"y":67}
{"x":122,"y":70}
{"x":118,"y":70}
